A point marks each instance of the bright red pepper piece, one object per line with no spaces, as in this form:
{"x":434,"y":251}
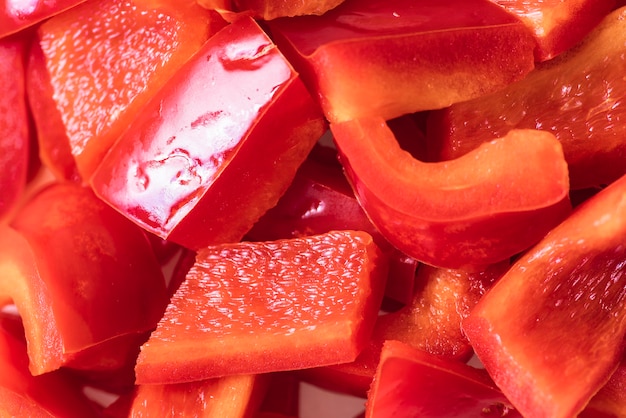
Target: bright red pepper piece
{"x":14,"y":124}
{"x":119,"y":53}
{"x":54,"y":394}
{"x":387,"y":58}
{"x":551,"y":330}
{"x":217,"y":146}
{"x":16,"y":15}
{"x":269,"y":9}
{"x":249,"y":308}
{"x":479,"y":209}
{"x":558,"y":25}
{"x":413,"y":383}
{"x":578,"y":96}
{"x":78,"y":273}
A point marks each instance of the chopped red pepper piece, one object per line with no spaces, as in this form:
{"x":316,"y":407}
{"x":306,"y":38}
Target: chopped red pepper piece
{"x":14,"y":124}
{"x":54,"y":394}
{"x":479,"y":209}
{"x":217,"y":146}
{"x":551,"y":330}
{"x":249,"y":308}
{"x":578,"y":96}
{"x":16,"y":15}
{"x":413,"y":383}
{"x":558,"y":25}
{"x":269,"y":9}
{"x":120,"y":53}
{"x":78,"y":273}
{"x":387,"y":58}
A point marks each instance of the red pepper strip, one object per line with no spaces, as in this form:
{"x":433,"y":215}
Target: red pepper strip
{"x":387,"y":58}
{"x":579,"y":97}
{"x":479,"y":209}
{"x":54,"y":394}
{"x":102,"y":61}
{"x":558,"y":25}
{"x":249,"y":308}
{"x":16,"y":15}
{"x":204,"y":160}
{"x":610,"y":401}
{"x":412,"y":383}
{"x":231,"y":396}
{"x":551,"y":331}
{"x":78,"y":273}
{"x":268,"y":9}
{"x":431,"y":323}
{"x":14,"y":125}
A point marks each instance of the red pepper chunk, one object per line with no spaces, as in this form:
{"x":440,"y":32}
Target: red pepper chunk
{"x":551,"y":330}
{"x":388,"y":58}
{"x":250,"y":308}
{"x":479,"y":209}
{"x":217,"y":146}
{"x":84,"y":279}
{"x":16,"y":15}
{"x":413,"y":383}
{"x":578,"y":96}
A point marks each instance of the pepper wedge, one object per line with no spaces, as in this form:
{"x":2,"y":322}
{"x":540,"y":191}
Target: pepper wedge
{"x":479,"y":209}
{"x":250,"y":308}
{"x":551,"y":330}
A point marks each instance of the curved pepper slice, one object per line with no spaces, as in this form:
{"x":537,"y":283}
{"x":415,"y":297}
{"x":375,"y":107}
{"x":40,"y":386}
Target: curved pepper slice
{"x":413,"y":383}
{"x":269,"y":9}
{"x":14,"y":124}
{"x":79,"y":273}
{"x":479,"y":209}
{"x":217,"y":146}
{"x":250,"y":308}
{"x":573,"y":280}
{"x":99,"y":63}
{"x":388,"y":58}
{"x":558,"y":25}
{"x":578,"y":96}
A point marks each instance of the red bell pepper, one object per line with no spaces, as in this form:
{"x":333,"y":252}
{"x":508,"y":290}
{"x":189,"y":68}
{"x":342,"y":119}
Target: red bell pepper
{"x":250,"y":308}
{"x":431,"y":323}
{"x":387,"y":58}
{"x":459,"y":213}
{"x":269,"y":9}
{"x":217,"y":146}
{"x":578,"y":96}
{"x":412,"y":383}
{"x":320,"y":200}
{"x":93,"y":83}
{"x":14,"y":124}
{"x":558,"y":25}
{"x":78,"y":273}
{"x":551,"y":330}
{"x":54,"y":394}
{"x":227,"y":397}
{"x":16,"y":15}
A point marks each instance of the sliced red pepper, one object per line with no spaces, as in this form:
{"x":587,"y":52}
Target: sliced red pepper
{"x":231,"y":396}
{"x":269,"y":9}
{"x":610,"y":401}
{"x":16,"y":15}
{"x":413,"y":383}
{"x":431,"y":323}
{"x":54,"y":394}
{"x":558,"y":25}
{"x":119,"y":54}
{"x":551,"y":331}
{"x":388,"y":58}
{"x":578,"y":96}
{"x":79,"y":273}
{"x":14,"y":124}
{"x":249,"y":308}
{"x":217,"y":146}
{"x":479,"y":209}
